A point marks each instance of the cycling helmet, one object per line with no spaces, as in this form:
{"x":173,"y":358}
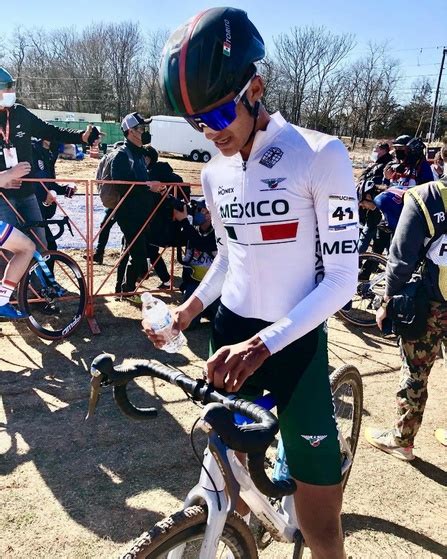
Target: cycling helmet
{"x":416,"y":147}
{"x":207,"y":58}
{"x":6,"y":80}
{"x":402,"y":140}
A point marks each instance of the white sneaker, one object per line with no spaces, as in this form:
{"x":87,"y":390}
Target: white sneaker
{"x":386,"y":441}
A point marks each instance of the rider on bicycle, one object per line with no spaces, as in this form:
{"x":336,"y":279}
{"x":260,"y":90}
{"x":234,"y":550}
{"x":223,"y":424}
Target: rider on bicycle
{"x":16,"y":242}
{"x":283,"y":204}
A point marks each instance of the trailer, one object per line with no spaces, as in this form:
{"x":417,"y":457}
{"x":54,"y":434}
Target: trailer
{"x":172,"y":134}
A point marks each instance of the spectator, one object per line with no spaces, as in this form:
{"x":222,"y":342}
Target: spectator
{"x":150,"y":156}
{"x":165,"y":231}
{"x":410,"y":170}
{"x":16,"y":242}
{"x":44,"y":160}
{"x":201,"y":249}
{"x":368,"y":187}
{"x":437,"y":166}
{"x":17,"y":125}
{"x":418,"y":224}
{"x":128,"y":165}
{"x":105,"y":226}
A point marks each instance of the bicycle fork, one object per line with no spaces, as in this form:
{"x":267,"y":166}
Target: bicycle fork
{"x":215,"y":476}
{"x":45,"y":275}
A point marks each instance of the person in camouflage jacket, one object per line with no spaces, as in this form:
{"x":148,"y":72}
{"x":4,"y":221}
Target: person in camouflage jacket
{"x":421,"y":235}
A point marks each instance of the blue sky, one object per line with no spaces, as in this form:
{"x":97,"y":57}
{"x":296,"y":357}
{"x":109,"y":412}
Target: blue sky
{"x":410,"y":33}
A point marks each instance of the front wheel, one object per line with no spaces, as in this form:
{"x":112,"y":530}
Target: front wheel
{"x":347,"y":393}
{"x":54,"y":299}
{"x":183,"y":532}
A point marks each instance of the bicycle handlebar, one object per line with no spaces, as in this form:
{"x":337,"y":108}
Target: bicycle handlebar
{"x":253,"y":439}
{"x":61,"y":224}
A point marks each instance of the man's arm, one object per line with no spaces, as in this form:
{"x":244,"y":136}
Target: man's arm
{"x":406,"y":246}
{"x":333,"y":192}
{"x":41,"y":129}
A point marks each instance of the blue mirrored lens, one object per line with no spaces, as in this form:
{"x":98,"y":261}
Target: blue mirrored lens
{"x":220,"y":117}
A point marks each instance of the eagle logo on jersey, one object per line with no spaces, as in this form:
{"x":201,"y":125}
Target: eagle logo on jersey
{"x":314,"y":440}
{"x":273,"y":183}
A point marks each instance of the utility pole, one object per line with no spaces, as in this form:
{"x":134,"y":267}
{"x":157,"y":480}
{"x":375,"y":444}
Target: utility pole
{"x":432,"y":120}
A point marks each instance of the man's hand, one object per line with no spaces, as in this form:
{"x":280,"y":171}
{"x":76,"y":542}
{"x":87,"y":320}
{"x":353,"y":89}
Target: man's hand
{"x":10,"y":177}
{"x":231,"y":365}
{"x":86,"y":135}
{"x":157,"y":186}
{"x":180,"y":216}
{"x":51,"y":198}
{"x":182,"y":318}
{"x":20,"y":170}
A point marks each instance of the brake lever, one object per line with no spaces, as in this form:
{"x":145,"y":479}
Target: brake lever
{"x":95,"y":392}
{"x":69,"y":227}
{"x":100,"y":369}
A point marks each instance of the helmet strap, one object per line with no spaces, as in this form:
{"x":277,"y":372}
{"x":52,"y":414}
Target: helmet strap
{"x":254,"y":112}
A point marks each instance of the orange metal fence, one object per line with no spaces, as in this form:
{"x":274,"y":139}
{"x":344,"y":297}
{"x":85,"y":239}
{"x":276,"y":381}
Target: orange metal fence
{"x":82,"y":211}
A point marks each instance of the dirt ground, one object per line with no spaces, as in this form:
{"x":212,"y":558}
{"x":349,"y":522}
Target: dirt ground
{"x":77,"y":490}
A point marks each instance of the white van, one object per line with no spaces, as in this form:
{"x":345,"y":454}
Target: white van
{"x":172,"y":134}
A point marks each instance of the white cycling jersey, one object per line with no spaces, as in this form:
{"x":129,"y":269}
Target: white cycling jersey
{"x":286,"y":223}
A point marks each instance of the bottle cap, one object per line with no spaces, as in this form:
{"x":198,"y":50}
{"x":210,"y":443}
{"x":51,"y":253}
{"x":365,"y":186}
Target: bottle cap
{"x":147,"y":297}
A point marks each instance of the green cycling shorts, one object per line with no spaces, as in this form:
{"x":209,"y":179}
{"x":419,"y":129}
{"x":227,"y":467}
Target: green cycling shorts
{"x":298,"y":379}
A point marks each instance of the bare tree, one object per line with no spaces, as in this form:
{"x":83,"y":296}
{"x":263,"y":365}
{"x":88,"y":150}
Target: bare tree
{"x":124,"y":44}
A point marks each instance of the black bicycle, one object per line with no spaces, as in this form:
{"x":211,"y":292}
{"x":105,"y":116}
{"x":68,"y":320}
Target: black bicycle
{"x":52,"y":291}
{"x":371,"y":284}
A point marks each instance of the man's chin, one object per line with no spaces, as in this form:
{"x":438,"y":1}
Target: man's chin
{"x":228,"y":151}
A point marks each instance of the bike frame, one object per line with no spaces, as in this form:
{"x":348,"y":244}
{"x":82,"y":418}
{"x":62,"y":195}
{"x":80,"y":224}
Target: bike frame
{"x":231,"y":479}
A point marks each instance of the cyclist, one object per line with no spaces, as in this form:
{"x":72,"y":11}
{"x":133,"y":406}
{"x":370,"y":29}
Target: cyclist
{"x":17,"y":126}
{"x":283,"y":204}
{"x":16,"y":242}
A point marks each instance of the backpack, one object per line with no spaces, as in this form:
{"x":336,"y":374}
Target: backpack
{"x":110,"y":194}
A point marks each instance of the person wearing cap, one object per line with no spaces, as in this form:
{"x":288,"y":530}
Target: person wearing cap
{"x":17,"y":126}
{"x":129,"y":165}
{"x":201,"y":249}
{"x":284,"y":209}
{"x":367,"y":187}
{"x":411,"y":169}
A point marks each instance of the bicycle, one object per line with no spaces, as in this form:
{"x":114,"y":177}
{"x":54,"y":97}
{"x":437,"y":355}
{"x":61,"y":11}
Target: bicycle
{"x":208,"y":525}
{"x":52,"y":290}
{"x":360,"y":311}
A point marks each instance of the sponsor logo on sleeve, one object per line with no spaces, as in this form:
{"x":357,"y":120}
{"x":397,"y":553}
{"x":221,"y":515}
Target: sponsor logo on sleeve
{"x":271,"y":157}
{"x":349,"y":246}
{"x":342,"y":213}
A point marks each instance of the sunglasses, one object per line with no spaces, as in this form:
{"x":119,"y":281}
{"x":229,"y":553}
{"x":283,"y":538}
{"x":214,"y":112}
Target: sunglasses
{"x":220,"y":117}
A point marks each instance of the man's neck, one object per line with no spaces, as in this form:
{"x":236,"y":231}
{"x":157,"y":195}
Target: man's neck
{"x":261,"y":124}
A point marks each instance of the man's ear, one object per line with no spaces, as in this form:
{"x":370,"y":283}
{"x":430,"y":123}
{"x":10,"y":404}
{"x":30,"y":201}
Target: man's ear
{"x":256,"y":90}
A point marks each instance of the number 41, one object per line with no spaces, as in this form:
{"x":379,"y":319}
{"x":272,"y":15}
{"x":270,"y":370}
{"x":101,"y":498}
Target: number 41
{"x":340,"y":213}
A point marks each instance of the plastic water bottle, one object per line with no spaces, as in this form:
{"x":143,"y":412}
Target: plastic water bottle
{"x":160,"y":319}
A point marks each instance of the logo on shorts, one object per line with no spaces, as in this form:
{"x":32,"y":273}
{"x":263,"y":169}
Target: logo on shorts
{"x":314,"y":440}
